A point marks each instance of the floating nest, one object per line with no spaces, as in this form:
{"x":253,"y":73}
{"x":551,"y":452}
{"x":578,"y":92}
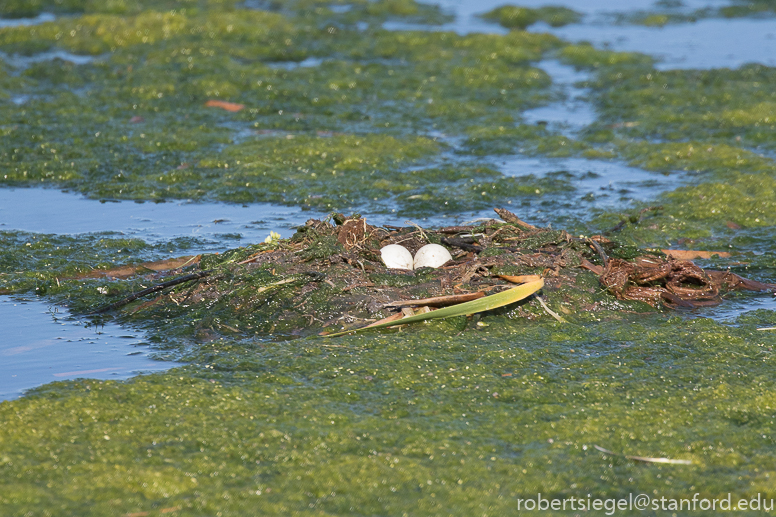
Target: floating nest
{"x":330,"y":276}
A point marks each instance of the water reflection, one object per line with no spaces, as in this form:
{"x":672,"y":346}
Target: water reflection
{"x":599,"y":183}
{"x":42,"y":344}
{"x":20,"y":22}
{"x":711,"y":43}
{"x":52,"y":211}
{"x":573,"y":112}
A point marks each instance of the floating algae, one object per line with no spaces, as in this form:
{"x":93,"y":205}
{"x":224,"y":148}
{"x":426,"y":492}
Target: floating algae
{"x":434,"y":419}
{"x":518,"y":403}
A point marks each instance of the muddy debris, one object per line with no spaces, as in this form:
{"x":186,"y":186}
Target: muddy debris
{"x":329,"y":276}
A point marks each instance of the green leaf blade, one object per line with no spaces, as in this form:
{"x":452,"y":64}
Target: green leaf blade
{"x":487,"y":303}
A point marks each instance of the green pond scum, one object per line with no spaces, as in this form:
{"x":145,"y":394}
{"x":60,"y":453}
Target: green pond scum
{"x":513,"y":17}
{"x":418,"y":424}
{"x":335,"y":113}
{"x":363,"y":124}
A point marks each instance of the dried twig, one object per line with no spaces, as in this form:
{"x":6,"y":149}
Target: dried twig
{"x":511,"y":218}
{"x":645,"y":459}
{"x":158,"y":287}
{"x":422,"y":233}
{"x":438,"y":301}
{"x":462,"y":243}
{"x":600,"y":250}
{"x":550,"y":311}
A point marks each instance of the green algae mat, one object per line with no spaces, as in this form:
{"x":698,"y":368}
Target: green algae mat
{"x":314,"y":104}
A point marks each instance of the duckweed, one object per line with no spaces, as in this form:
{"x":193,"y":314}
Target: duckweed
{"x":349,"y":12}
{"x":734,"y":107}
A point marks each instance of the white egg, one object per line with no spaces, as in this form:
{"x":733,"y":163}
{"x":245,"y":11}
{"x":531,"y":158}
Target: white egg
{"x":396,"y":257}
{"x":431,"y":255}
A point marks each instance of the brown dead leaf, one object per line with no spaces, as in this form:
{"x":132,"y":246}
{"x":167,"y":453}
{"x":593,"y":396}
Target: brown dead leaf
{"x":228,"y":106}
{"x":519,"y":279}
{"x":439,"y":301}
{"x":127,"y":271}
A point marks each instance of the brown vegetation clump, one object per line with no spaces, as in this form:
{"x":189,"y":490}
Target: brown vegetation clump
{"x":675,"y":283}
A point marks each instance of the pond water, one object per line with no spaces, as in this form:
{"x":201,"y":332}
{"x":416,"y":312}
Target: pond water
{"x":22,"y":62}
{"x":707,"y":43}
{"x":44,"y":343}
{"x":598,"y":183}
{"x":291,"y":65}
{"x":711,"y":43}
{"x":466,"y":9}
{"x":735,"y":305}
{"x":53,"y":211}
{"x":573,"y":112}
{"x":20,"y":22}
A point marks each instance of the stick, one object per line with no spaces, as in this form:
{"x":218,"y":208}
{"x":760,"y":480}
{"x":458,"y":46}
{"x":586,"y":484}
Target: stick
{"x":645,"y":459}
{"x":456,"y":229}
{"x":511,"y":218}
{"x":158,"y":287}
{"x":439,"y":301}
{"x":600,"y":250}
{"x":550,"y":311}
{"x":461,"y":243}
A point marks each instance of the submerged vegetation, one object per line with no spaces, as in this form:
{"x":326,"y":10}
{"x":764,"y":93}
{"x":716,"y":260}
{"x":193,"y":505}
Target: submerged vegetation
{"x":315,"y":104}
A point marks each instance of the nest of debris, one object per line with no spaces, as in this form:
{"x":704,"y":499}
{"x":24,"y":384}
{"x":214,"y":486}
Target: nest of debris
{"x":330,"y":275}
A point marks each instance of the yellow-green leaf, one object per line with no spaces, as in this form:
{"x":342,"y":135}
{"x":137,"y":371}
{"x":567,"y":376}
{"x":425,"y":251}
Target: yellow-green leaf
{"x":487,"y":303}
